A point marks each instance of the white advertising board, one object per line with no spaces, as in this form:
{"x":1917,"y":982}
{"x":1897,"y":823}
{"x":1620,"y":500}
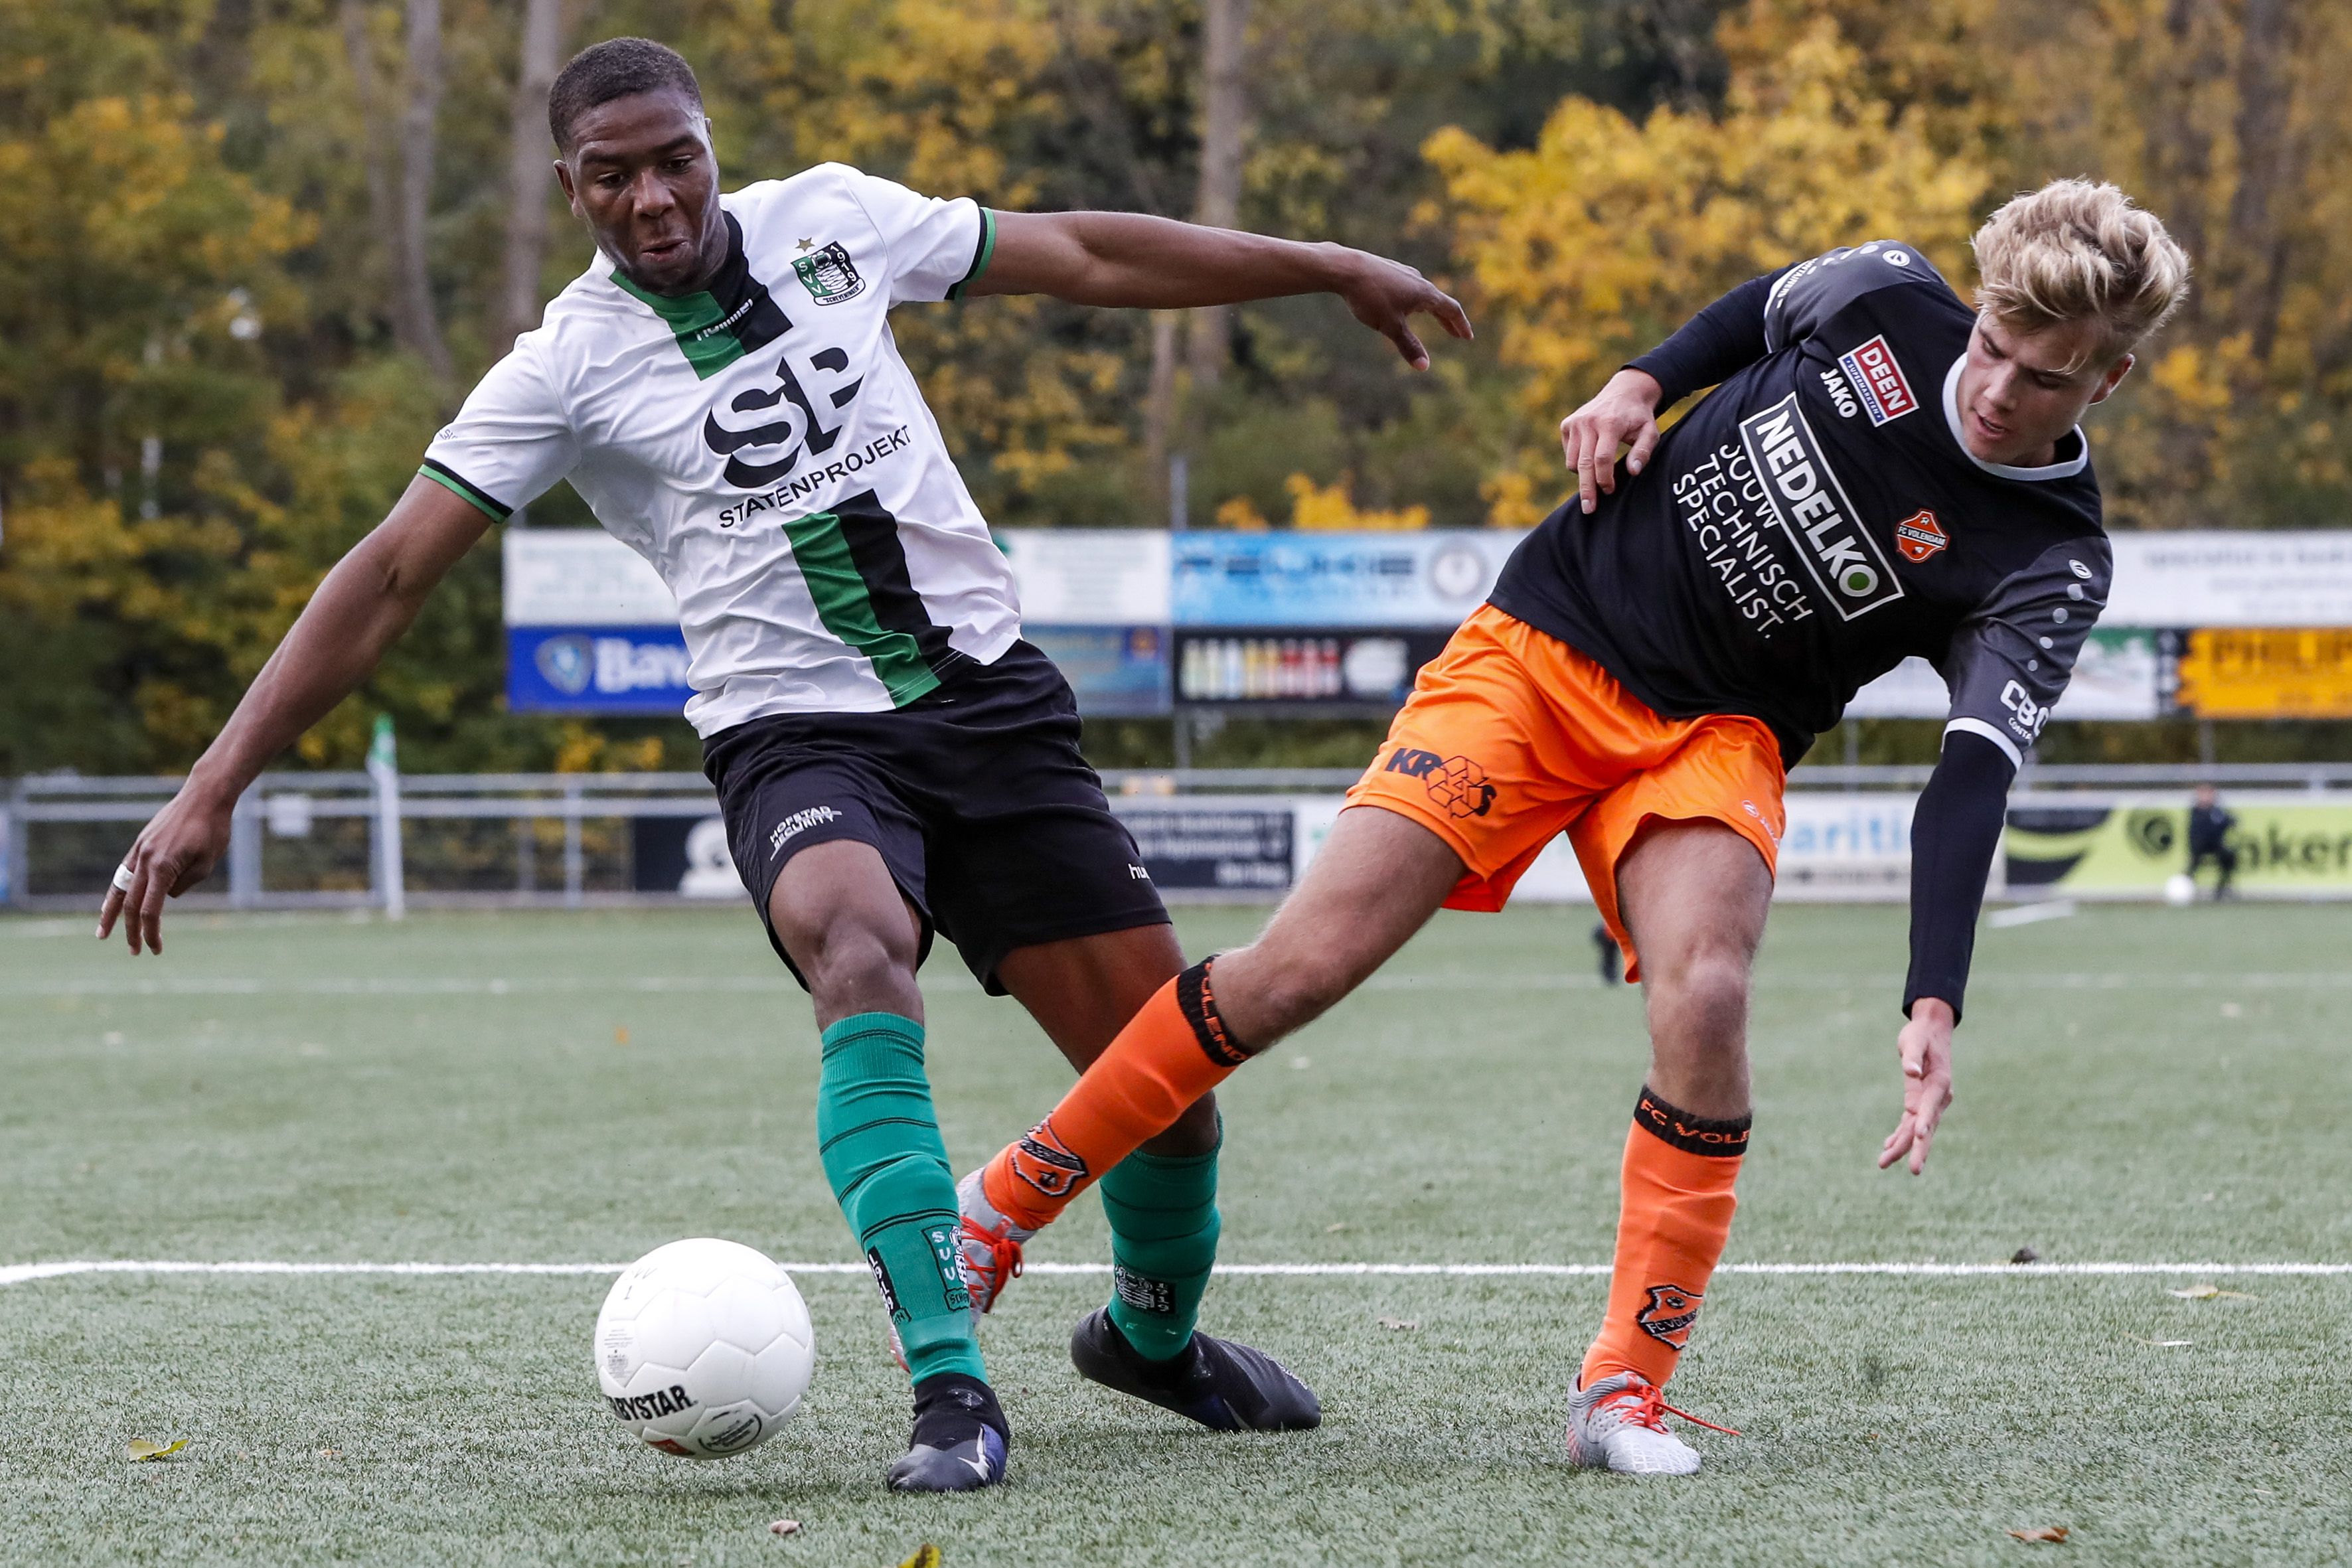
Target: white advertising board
{"x":2118,"y":675}
{"x":2231,"y":578}
{"x":581,"y":577}
{"x":1837,"y":846}
{"x":1089,"y":576}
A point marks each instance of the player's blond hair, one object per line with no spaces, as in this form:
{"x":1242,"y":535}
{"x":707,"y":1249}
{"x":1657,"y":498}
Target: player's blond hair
{"x":2078,"y":250}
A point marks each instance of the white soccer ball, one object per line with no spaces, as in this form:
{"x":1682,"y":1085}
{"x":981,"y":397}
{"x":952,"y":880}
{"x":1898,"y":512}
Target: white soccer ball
{"x":2179,"y":888}
{"x":703,"y":1348}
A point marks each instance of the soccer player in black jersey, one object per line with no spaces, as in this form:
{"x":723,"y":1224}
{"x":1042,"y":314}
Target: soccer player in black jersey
{"x":1881,"y":471}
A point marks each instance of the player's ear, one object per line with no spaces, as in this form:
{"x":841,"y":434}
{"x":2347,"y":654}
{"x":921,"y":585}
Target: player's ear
{"x":563,"y":178}
{"x":2115,"y":377}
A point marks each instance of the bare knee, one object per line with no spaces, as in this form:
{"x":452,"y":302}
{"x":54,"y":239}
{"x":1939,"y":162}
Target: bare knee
{"x":852,"y":965}
{"x":1703,"y":991}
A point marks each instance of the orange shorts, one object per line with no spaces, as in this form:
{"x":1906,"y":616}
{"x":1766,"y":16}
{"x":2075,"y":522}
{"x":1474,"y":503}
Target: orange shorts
{"x":1511,"y":737}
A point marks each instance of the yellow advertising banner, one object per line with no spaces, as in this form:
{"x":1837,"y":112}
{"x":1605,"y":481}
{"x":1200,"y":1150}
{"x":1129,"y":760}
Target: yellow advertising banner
{"x":2267,"y":672}
{"x":2287,"y":844}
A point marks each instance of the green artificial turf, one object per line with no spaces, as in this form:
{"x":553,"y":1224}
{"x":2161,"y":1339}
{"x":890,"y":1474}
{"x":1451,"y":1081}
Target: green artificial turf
{"x":2135,"y":1085}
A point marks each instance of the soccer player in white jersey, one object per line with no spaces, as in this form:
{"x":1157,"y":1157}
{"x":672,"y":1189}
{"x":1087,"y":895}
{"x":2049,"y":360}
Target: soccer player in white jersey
{"x":892,"y":760}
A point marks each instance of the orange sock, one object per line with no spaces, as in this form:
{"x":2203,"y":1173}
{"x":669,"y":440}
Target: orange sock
{"x":1173,"y":1052}
{"x":1672,"y":1223}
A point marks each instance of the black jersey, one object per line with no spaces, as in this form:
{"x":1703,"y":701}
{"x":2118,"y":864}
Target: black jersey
{"x":1816,"y":519}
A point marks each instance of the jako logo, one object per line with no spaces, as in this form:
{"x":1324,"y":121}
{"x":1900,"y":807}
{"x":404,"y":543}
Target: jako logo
{"x":1810,"y":505}
{"x":1879,"y":378}
{"x":798,"y":822}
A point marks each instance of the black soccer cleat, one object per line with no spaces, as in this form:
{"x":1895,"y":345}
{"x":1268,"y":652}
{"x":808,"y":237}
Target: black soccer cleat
{"x":1224,"y":1386}
{"x":960,"y":1440}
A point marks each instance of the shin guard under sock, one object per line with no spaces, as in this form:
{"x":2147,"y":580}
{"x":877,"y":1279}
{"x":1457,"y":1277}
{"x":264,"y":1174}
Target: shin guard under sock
{"x":1173,"y":1051}
{"x":1163,"y":1243}
{"x":881,"y":1144}
{"x":1672,"y":1220}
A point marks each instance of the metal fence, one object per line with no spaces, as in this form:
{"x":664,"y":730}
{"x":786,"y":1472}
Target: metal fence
{"x":384,"y":839}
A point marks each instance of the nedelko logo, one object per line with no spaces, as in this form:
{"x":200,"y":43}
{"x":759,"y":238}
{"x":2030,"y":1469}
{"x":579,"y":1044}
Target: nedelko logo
{"x":1808,"y":504}
{"x":1879,"y":378}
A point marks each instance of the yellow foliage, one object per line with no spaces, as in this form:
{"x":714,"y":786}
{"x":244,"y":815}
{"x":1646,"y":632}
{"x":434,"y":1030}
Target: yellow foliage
{"x":1607,"y":235}
{"x":1315,"y":509}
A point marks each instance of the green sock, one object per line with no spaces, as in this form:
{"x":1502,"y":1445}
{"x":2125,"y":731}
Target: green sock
{"x":1163,"y":1242}
{"x":881,"y":1148}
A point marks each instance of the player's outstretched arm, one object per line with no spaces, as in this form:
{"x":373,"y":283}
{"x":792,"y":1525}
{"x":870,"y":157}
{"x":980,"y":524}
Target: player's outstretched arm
{"x":1128,"y":259}
{"x":359,"y":610}
{"x":1956,"y":830}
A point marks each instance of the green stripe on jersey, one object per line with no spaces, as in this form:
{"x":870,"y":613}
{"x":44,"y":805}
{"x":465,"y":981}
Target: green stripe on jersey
{"x":847,"y":607}
{"x":981,"y":258}
{"x":454,"y":483}
{"x":697,"y":323}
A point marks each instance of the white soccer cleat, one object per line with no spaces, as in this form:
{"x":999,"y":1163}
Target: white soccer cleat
{"x":990,"y":1244}
{"x":1619,"y":1423}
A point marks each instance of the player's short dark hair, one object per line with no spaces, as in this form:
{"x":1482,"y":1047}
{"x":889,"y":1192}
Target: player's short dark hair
{"x":617,"y":67}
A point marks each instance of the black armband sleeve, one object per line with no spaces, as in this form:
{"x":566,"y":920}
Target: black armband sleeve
{"x":1954,"y":833}
{"x":1725,"y":338}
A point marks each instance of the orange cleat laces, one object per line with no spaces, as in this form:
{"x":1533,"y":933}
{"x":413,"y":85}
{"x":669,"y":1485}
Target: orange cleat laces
{"x":1650,"y":1408}
{"x":1003,"y":1260}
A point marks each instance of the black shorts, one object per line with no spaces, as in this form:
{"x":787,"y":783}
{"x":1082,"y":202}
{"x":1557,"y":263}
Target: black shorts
{"x":976,"y":796}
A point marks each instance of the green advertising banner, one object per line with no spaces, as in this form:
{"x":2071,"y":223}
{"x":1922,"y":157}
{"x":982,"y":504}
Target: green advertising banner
{"x":2288,"y":846}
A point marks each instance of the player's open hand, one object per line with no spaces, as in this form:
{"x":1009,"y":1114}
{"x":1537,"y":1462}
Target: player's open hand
{"x":1925,"y":1046}
{"x":1625,"y":412}
{"x":1386,"y":295}
{"x":177,"y":848}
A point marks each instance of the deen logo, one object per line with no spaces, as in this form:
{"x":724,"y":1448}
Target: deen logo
{"x":1808,"y":504}
{"x":1879,"y":378}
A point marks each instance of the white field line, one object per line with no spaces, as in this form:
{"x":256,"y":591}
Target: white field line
{"x":2031,"y":914}
{"x":225,"y":985}
{"x":25,"y":1273}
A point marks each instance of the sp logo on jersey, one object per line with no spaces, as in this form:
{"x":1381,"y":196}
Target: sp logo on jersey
{"x":1919,"y":536}
{"x":829,"y":276}
{"x":1669,"y":1313}
{"x":1877,"y":376}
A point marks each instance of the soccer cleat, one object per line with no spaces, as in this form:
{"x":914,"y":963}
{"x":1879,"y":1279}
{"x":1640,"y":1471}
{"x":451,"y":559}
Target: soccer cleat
{"x":990,"y":1244}
{"x":960,"y":1440}
{"x":1619,"y":1423}
{"x":1224,"y":1386}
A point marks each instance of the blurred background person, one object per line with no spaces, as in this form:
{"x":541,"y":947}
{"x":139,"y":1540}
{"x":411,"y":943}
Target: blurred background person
{"x":2209,"y":838}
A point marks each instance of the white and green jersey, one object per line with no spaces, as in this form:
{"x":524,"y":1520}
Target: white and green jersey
{"x":765,"y":447}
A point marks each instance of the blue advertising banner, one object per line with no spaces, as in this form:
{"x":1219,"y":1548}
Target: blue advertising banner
{"x":1118,"y":672}
{"x":1335,"y":580}
{"x":597,"y":669}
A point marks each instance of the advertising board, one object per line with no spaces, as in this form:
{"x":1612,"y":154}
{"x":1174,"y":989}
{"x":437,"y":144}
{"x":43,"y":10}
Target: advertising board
{"x":1207,"y":844}
{"x":2122,"y":674}
{"x":2288,"y":845}
{"x":1089,"y":576}
{"x":2231,"y":577}
{"x":2266,"y":673}
{"x":1115,"y":671}
{"x":596,"y":669}
{"x":1333,"y":581}
{"x":1277,"y":667}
